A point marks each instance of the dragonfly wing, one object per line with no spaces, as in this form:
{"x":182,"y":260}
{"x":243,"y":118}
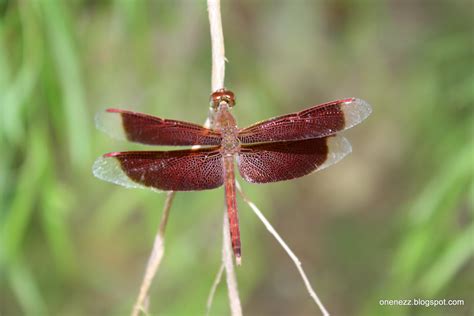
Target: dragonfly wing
{"x":318,"y":121}
{"x":278,"y":161}
{"x":178,"y":170}
{"x":152,"y":130}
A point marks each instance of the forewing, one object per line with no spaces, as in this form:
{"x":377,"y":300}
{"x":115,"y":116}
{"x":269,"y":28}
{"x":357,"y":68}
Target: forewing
{"x":318,"y":121}
{"x":178,"y":170}
{"x":278,"y":161}
{"x":152,"y":130}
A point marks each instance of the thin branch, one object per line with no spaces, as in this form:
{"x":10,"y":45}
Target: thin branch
{"x":212,"y":292}
{"x":141,"y":305}
{"x":218,"y":74}
{"x":228,"y":265}
{"x":290,"y":253}
{"x":235,"y":307}
{"x":217,"y":42}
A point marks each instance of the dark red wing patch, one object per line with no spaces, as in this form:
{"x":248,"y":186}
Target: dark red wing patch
{"x":151,"y":130}
{"x":178,"y":170}
{"x":278,"y":161}
{"x":319,"y":121}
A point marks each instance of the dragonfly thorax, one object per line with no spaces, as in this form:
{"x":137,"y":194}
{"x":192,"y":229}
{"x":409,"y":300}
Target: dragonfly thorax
{"x":230,"y":142}
{"x":225,"y":123}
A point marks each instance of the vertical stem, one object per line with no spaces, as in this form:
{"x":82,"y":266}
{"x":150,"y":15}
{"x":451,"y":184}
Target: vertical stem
{"x":234,"y":300}
{"x":217,"y":42}
{"x":218,"y":74}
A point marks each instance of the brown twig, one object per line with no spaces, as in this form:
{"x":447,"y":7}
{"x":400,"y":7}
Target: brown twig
{"x":218,"y":75}
{"x":141,"y":305}
{"x":212,"y":292}
{"x":290,"y":253}
{"x":217,"y":42}
{"x":233,"y":293}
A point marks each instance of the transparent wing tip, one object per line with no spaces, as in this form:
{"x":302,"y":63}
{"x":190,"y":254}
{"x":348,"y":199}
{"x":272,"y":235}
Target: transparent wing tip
{"x":110,"y":122}
{"x":355,"y":111}
{"x":338,"y":148}
{"x":108,"y":168}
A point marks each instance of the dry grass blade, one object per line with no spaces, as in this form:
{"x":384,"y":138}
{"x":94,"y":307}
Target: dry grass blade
{"x":290,"y":253}
{"x":141,"y":305}
{"x":218,"y":74}
{"x":234,"y":300}
{"x":217,"y":42}
{"x":212,"y":292}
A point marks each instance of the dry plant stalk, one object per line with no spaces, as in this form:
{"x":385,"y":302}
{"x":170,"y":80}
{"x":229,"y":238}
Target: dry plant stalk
{"x":212,"y":292}
{"x":287,"y":249}
{"x":141,"y":305}
{"x":217,"y":42}
{"x":232,"y":291}
{"x":218,"y":75}
{"x":290,"y":253}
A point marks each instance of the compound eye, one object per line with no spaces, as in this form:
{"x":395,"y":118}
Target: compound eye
{"x":231,"y":101}
{"x":222,"y":95}
{"x":214,"y":103}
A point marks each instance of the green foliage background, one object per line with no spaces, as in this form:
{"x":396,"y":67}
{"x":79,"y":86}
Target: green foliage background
{"x":394,"y":220}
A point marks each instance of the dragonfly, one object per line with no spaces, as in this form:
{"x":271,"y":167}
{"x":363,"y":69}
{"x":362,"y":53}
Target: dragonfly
{"x":281,"y":148}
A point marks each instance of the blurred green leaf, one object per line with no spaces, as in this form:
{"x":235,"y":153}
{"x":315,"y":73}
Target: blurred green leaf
{"x":16,"y":96}
{"x":56,"y":205}
{"x":455,"y":255}
{"x":20,"y":210}
{"x":26,"y":289}
{"x":67,"y":64}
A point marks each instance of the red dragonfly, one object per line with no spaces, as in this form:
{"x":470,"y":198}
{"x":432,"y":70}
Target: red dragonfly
{"x":281,"y":148}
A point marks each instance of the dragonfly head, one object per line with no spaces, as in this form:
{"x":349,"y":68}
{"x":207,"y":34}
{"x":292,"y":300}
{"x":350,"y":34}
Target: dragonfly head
{"x":222,"y":95}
